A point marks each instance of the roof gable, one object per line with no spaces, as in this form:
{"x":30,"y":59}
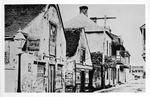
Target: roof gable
{"x":82,"y":21}
{"x":18,"y":16}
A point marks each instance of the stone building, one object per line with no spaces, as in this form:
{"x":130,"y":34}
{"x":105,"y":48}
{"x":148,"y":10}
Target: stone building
{"x":43,"y":56}
{"x":79,"y":62}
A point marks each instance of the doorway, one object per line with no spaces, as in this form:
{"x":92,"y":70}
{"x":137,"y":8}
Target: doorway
{"x":118,"y":76}
{"x":82,"y":81}
{"x":51,"y":74}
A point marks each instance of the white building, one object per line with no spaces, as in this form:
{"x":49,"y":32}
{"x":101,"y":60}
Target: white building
{"x":43,"y":56}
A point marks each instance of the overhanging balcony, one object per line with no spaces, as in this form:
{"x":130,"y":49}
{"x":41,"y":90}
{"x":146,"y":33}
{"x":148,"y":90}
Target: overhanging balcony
{"x":118,"y":59}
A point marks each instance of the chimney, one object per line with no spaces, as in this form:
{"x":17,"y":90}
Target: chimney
{"x":84,"y":10}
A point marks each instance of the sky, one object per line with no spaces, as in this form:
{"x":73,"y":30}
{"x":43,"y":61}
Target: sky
{"x":129,"y":18}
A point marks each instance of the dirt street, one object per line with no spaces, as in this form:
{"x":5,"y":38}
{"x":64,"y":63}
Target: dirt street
{"x":133,"y":86}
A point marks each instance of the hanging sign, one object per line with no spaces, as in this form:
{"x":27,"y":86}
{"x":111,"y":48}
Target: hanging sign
{"x":33,"y":43}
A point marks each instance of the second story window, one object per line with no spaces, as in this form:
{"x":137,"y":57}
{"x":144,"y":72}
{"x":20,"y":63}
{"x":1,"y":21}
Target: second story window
{"x":82,"y":54}
{"x":52,"y":39}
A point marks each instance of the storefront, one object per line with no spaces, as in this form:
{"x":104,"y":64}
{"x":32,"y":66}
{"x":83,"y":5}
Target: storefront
{"x":77,"y":77}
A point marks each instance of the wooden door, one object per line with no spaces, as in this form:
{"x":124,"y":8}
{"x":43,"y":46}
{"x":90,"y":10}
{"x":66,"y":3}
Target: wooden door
{"x":51,"y":78}
{"x":82,"y":81}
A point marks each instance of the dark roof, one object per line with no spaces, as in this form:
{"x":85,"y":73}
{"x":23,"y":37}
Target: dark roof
{"x":18,"y":16}
{"x":82,"y":21}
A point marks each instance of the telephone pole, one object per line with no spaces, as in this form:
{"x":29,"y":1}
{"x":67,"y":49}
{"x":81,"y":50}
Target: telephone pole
{"x":103,"y":57}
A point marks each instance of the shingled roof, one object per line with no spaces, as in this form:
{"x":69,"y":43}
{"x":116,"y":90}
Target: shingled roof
{"x":18,"y":16}
{"x":82,"y":21}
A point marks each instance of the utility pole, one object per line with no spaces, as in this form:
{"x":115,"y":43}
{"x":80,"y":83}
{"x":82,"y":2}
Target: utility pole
{"x":103,"y":57}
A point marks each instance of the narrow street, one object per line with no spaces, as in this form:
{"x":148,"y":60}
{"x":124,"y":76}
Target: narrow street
{"x":62,"y":48}
{"x":134,"y":86}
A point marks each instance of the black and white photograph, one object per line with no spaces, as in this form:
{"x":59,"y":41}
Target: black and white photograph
{"x":74,"y":48}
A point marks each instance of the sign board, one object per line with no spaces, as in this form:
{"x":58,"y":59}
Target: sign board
{"x":40,"y":78}
{"x":70,"y":73}
{"x":69,"y":78}
{"x":33,"y":43}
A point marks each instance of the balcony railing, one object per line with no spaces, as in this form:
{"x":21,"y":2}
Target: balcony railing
{"x":119,"y":59}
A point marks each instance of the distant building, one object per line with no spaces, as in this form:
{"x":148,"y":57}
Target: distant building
{"x":122,"y":59}
{"x":143,"y":32}
{"x":138,"y":71}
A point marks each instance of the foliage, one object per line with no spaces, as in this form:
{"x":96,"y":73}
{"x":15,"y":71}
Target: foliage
{"x":72,"y":39}
{"x":108,"y":59}
{"x":96,"y":58}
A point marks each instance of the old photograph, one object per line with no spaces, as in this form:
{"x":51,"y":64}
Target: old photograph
{"x":74,"y":48}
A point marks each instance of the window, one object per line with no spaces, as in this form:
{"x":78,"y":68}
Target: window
{"x":52,"y":39}
{"x":107,"y":47}
{"x":110,"y":49}
{"x":118,"y":53}
{"x":40,"y":71}
{"x":86,"y":77}
{"x":119,"y":40}
{"x":107,"y":73}
{"x":115,"y":73}
{"x":111,"y":74}
{"x":7,"y":52}
{"x":82,"y":54}
{"x":133,"y":71}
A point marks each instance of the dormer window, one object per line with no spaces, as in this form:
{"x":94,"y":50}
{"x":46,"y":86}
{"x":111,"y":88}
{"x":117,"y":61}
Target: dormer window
{"x":82,"y":55}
